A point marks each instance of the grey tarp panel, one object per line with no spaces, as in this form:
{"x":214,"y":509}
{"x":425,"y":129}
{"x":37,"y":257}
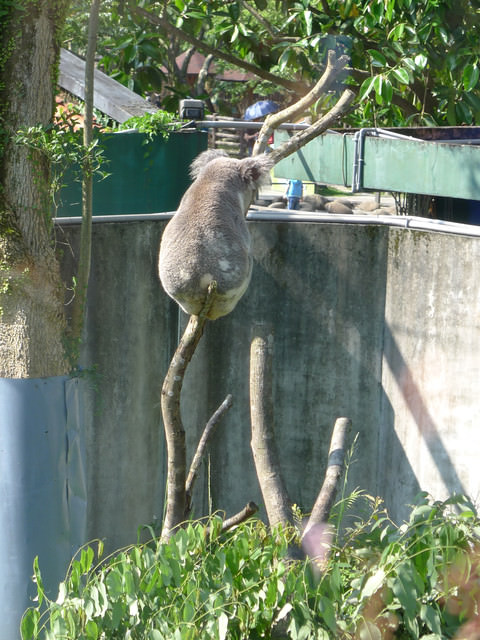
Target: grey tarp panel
{"x":42,"y":488}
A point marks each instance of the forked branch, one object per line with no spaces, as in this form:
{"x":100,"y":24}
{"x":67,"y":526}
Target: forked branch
{"x":334,"y":68}
{"x":302,"y":137}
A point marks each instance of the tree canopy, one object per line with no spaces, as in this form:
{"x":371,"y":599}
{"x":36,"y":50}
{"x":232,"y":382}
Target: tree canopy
{"x":413,"y":62}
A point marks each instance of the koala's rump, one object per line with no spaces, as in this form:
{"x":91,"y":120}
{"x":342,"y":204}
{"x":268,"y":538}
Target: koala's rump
{"x":192,"y":255}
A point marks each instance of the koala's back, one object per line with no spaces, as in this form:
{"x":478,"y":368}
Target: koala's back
{"x":207,"y":239}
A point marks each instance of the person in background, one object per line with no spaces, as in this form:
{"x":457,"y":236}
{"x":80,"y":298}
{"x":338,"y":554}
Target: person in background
{"x":294,"y":193}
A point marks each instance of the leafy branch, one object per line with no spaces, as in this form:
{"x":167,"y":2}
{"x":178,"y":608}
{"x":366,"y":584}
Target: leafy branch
{"x":163,"y":22}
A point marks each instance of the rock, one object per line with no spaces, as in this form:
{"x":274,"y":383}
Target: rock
{"x":316,"y":201}
{"x":335,"y":206}
{"x":389,"y":211}
{"x":348,"y":203}
{"x":305,"y":206}
{"x":368,"y":205}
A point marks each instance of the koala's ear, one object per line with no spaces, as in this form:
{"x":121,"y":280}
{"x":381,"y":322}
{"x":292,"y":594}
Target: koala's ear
{"x":203,"y":159}
{"x":255,"y":171}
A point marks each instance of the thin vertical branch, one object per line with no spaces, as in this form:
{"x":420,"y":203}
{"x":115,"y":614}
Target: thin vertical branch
{"x":201,"y":447}
{"x":83,"y":275}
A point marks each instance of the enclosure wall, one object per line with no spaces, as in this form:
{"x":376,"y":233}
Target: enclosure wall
{"x":377,"y":324}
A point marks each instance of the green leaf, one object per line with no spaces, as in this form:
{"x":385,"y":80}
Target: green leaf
{"x":387,"y":91}
{"x":389,"y":9}
{"x":327,"y":610}
{"x":284,"y":59}
{"x":373,"y":583}
{"x":114,"y":584}
{"x":222,"y":626}
{"x":366,"y":88}
{"x":409,"y":62}
{"x":37,"y":578}
{"x":378,"y":59}
{"x":378,"y":86}
{"x":29,"y":624}
{"x":284,"y":611}
{"x":91,"y":630}
{"x":401,"y":75}
{"x":421,"y":61}
{"x":271,"y":595}
{"x":397,"y":32}
{"x":471,"y":74}
{"x":188,"y":613}
{"x":235,"y":34}
{"x":432,"y":619}
{"x":404,"y":588}
{"x":451,"y":113}
{"x":464,"y":114}
{"x":307,"y":14}
{"x":369,"y":631}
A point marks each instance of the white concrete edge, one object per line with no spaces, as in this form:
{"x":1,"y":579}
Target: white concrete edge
{"x":281,"y":215}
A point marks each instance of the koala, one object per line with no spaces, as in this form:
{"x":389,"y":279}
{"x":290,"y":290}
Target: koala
{"x":207,"y":238}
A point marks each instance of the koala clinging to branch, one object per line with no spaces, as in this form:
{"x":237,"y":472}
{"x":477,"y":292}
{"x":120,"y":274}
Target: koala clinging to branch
{"x":207,"y":238}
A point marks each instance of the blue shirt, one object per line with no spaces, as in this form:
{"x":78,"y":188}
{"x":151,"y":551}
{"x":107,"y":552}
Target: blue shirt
{"x":295,"y":188}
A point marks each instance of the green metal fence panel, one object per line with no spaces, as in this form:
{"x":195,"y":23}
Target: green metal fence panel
{"x":144,"y":176}
{"x":448,"y":169}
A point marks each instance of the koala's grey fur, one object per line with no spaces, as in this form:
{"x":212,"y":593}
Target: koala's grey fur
{"x":207,"y":238}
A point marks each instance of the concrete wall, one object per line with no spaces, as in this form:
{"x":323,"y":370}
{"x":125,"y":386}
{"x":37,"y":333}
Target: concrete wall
{"x":377,"y":324}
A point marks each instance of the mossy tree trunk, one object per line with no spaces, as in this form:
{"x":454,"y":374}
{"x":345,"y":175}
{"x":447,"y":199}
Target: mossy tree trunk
{"x":32,"y":322}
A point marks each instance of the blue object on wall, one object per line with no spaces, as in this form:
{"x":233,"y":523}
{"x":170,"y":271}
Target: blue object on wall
{"x":42,"y":488}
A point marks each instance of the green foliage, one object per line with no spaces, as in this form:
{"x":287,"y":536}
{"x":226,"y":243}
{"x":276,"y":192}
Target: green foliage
{"x":419,"y":61}
{"x":414,"y":63}
{"x":415,"y":581}
{"x":153,"y":124}
{"x":62,"y":144}
{"x":130,"y":50}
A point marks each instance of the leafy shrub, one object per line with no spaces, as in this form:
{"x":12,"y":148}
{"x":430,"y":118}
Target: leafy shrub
{"x":153,"y":124}
{"x":414,"y":581}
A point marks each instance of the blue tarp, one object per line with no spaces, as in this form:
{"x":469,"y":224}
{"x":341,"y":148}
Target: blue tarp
{"x":42,"y":488}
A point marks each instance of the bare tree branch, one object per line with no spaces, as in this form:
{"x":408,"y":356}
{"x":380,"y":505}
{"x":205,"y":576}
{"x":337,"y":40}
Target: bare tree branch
{"x":302,"y":137}
{"x":277,"y":503}
{"x":272,"y":121}
{"x":247,"y":512}
{"x":172,"y":421}
{"x":336,"y":456}
{"x":202,"y":445}
{"x":203,"y":75}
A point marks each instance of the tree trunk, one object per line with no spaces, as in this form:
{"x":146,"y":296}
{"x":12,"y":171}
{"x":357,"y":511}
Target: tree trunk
{"x":32,"y":318}
{"x":264,"y":448}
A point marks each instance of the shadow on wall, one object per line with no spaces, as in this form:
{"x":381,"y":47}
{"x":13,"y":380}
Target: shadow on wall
{"x":325,"y":298}
{"x":427,"y":431}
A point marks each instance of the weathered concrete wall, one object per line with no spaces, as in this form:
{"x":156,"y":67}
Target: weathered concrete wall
{"x":431,"y":367}
{"x":379,"y":325}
